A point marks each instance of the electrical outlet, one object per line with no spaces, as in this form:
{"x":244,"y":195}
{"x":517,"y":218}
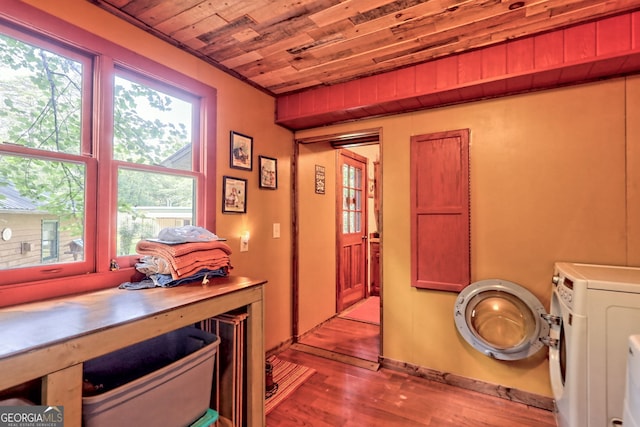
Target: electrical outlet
{"x":244,"y":242}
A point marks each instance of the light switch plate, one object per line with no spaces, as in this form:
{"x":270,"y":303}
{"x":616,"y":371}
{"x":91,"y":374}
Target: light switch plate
{"x":276,"y":230}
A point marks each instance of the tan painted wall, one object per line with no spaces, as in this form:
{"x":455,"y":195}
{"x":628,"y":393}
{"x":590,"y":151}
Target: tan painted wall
{"x":633,"y":168}
{"x":317,"y":236}
{"x":547,"y":183}
{"x":267,"y":257}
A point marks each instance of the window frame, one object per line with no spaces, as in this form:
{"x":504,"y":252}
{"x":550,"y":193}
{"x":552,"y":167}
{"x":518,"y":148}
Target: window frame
{"x":106,"y":58}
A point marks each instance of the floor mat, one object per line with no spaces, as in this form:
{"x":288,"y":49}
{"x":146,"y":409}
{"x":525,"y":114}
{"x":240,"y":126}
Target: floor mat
{"x":365,"y":311}
{"x":289,"y":376}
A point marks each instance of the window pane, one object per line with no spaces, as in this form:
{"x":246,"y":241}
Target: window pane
{"x":149,"y":202}
{"x":40,"y":98}
{"x":34,"y":194}
{"x":49,"y":241}
{"x":151,"y":127}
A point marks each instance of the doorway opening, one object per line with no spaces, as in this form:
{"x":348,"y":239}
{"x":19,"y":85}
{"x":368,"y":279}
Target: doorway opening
{"x":352,"y":327}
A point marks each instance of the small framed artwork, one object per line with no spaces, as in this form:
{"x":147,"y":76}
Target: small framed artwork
{"x":268,"y":172}
{"x":234,"y":195}
{"x":241,"y":151}
{"x":320,"y":179}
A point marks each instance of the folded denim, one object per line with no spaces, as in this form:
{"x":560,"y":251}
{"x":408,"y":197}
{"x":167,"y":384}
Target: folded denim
{"x":166,"y":281}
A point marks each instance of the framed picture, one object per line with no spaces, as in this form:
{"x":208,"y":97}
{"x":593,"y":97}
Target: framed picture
{"x":268,"y":172}
{"x":241,"y":151}
{"x":234,"y":194}
{"x":320,"y":183}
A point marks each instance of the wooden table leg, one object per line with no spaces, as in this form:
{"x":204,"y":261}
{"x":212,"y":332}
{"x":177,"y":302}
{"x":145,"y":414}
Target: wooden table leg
{"x":255,"y":365}
{"x":64,"y":388}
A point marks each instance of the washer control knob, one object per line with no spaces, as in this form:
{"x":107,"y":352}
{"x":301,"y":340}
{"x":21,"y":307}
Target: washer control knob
{"x":555,"y":279}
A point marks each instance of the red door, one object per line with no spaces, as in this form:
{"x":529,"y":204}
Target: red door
{"x":352,"y":229}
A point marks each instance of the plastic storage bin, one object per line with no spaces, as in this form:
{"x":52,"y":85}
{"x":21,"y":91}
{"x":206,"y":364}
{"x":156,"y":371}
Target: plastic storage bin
{"x":165,"y":381}
{"x":207,"y":420}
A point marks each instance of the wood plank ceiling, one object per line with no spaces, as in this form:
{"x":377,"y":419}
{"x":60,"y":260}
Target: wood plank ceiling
{"x":285,"y":46}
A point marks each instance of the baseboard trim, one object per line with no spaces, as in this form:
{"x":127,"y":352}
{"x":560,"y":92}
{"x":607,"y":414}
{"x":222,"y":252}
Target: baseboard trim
{"x":514,"y":395}
{"x":279,"y":348}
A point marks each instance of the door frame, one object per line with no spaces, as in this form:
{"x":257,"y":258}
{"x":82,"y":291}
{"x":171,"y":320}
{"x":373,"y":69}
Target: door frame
{"x":340,"y":140}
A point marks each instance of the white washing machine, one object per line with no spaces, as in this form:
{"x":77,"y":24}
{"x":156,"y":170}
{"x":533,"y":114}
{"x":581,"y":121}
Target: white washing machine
{"x":586,"y":365}
{"x":631,"y":416}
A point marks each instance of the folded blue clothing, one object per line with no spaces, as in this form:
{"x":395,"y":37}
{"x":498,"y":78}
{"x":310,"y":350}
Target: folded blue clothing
{"x":166,"y":281}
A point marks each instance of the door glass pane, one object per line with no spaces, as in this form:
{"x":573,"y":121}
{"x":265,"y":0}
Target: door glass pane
{"x":34,"y":194}
{"x":149,"y":202}
{"x":345,"y":175}
{"x":151,"y":127}
{"x":352,"y":222}
{"x":345,"y":222}
{"x":351,"y":176}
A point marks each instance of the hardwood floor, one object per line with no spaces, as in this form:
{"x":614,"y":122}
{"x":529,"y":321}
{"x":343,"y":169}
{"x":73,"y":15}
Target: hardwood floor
{"x":343,"y":395}
{"x":349,"y":337}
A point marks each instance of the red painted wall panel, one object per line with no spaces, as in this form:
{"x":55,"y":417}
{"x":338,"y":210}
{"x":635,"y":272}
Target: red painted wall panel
{"x":386,"y":84}
{"x":352,"y":94}
{"x":368,"y":90}
{"x":635,"y":30}
{"x":406,"y":82}
{"x":613,"y":35}
{"x":548,"y":50}
{"x":447,"y":72}
{"x":321,"y":99}
{"x":470,"y":67}
{"x":307,"y":102}
{"x":336,"y":97}
{"x":580,"y":42}
{"x":520,"y":55}
{"x":494,"y":61}
{"x":425,"y":77}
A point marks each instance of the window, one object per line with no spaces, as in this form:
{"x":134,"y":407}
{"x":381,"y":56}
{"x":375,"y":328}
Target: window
{"x":49,"y":241}
{"x":94,"y":156}
{"x":152,"y":134}
{"x":42,"y":170}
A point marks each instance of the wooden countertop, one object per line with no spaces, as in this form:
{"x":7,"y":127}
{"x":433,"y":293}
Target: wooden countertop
{"x":64,"y":331}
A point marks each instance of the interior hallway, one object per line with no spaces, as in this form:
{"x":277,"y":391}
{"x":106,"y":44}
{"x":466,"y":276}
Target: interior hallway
{"x":344,"y":335}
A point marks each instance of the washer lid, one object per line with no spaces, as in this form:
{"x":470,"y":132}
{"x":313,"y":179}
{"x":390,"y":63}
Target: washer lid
{"x":501,"y":319}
